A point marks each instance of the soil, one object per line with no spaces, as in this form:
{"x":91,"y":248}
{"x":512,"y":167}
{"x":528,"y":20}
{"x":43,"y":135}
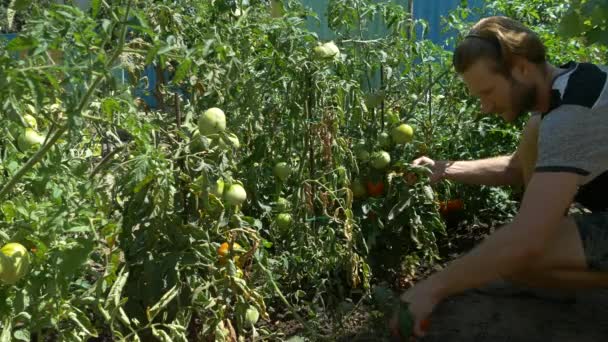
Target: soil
{"x":476,"y":316}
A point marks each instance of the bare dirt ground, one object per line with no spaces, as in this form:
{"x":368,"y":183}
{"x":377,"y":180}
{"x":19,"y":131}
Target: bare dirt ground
{"x":476,"y":317}
{"x":500,"y":316}
{"x":485,"y":316}
{"x":481,"y":317}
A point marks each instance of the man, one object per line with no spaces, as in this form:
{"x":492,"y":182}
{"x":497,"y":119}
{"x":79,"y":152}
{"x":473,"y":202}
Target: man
{"x":562,"y":158}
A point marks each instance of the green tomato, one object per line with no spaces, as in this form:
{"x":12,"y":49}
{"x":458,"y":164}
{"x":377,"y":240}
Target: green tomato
{"x":402,"y":134}
{"x":282,"y":204}
{"x":380,"y":160}
{"x":212,"y":121}
{"x":235,"y":195}
{"x":251,"y":316}
{"x":326,"y":51}
{"x":14,"y":262}
{"x":284,"y":220}
{"x":29,"y":139}
{"x":281,"y":170}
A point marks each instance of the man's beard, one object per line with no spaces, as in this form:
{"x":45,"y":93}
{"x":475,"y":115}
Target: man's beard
{"x":523,"y":97}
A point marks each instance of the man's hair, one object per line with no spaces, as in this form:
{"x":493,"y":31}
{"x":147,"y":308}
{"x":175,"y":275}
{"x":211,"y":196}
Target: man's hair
{"x":498,"y":39}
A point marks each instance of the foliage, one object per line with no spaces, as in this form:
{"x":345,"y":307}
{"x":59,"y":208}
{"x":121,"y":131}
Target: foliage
{"x":587,"y":19}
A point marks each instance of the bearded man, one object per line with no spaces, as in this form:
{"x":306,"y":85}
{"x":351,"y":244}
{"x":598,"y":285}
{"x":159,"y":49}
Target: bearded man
{"x":562,"y":159}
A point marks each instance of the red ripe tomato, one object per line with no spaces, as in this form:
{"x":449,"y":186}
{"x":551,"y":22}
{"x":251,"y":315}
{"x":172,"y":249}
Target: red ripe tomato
{"x":450,"y":206}
{"x":455,"y":205}
{"x":375,"y":189}
{"x":425,"y":324}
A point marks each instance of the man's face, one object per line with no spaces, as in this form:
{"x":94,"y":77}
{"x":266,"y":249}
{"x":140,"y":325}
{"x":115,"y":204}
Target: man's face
{"x":505,"y":96}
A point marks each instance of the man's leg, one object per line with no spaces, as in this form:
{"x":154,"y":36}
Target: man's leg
{"x":568,"y":262}
{"x":565,"y":264}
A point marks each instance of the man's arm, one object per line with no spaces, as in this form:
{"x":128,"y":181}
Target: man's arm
{"x":510,"y":248}
{"x":515,"y":169}
{"x":503,"y":170}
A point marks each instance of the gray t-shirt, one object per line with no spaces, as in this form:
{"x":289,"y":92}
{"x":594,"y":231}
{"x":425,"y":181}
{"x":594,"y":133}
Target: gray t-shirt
{"x":573,"y":134}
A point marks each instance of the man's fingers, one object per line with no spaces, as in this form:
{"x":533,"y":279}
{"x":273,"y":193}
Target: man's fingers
{"x":420,"y":161}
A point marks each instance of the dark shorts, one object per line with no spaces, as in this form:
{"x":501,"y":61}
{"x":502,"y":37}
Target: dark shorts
{"x":593,"y":229}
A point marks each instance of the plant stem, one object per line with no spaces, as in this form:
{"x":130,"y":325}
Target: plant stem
{"x":288,"y":304}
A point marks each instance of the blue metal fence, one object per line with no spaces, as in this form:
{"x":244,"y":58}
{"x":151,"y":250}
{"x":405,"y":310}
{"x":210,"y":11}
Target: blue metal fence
{"x":432,"y":11}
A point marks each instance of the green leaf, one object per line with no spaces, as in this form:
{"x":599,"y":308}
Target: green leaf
{"x":182,"y":70}
{"x":152,"y":53}
{"x":21,"y":43}
{"x":122,"y":316}
{"x":6,"y":331}
{"x":109,"y":107}
{"x":166,"y":48}
{"x":19,"y":5}
{"x":22,"y":301}
{"x":95,"y":6}
{"x":571,"y":24}
{"x":296,"y":339}
{"x":597,"y":35}
{"x":398,"y":208}
{"x":105,"y":25}
{"x":162,"y":303}
{"x":142,"y":23}
{"x":78,"y":229}
{"x":149,"y":178}
{"x":116,"y":290}
{"x":161,"y":335}
{"x":22,"y":335}
{"x":72,"y":259}
{"x":82,"y":321}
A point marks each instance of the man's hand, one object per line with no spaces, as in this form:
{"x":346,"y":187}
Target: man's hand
{"x":437,"y":166}
{"x":422,"y":299}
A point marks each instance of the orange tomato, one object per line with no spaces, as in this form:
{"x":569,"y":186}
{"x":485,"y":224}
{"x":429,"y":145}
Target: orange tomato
{"x":224,"y":248}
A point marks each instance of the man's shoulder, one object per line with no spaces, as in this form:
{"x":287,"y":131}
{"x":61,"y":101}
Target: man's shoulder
{"x":581,"y":84}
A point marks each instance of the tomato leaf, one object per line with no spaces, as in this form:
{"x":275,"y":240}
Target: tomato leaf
{"x":399,"y":208}
{"x":95,"y":6}
{"x":162,"y":303}
{"x":19,"y":5}
{"x":182,"y":70}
